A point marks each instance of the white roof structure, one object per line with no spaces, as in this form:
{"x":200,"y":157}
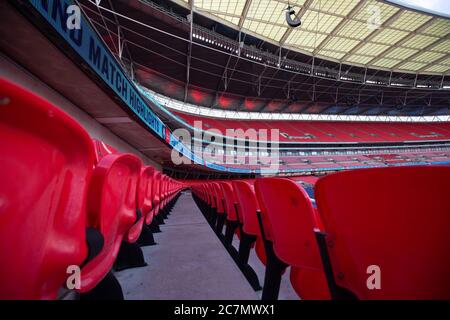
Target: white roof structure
{"x":370,"y":33}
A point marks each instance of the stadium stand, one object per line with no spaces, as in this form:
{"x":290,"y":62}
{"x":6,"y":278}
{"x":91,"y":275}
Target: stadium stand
{"x":304,"y":131}
{"x":331,"y":249}
{"x":102,"y":198}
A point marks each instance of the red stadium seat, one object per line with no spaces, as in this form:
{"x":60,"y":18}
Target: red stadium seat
{"x":102,"y":149}
{"x":394,"y":218}
{"x":246,"y":207}
{"x":220,"y":207}
{"x":157,"y":198}
{"x":290,"y":219}
{"x":145,"y":193}
{"x":112,"y":211}
{"x":249,"y":232}
{"x":80,"y":198}
{"x":230,"y":209}
{"x":145,"y":204}
{"x":45,"y":165}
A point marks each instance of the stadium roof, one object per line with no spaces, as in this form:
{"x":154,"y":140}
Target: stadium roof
{"x":372,"y":33}
{"x":211,"y":62}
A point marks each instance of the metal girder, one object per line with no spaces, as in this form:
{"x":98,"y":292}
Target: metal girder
{"x":225,"y":77}
{"x":244,"y":13}
{"x":402,"y":41}
{"x":340,"y":25}
{"x":445,"y":57}
{"x":189,"y":53}
{"x":431,"y":45}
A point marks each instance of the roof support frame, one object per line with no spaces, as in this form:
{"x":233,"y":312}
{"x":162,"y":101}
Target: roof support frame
{"x":373,"y":34}
{"x":340,"y":25}
{"x":424,"y":49}
{"x":244,"y":13}
{"x":189,"y":50}
{"x":402,"y":41}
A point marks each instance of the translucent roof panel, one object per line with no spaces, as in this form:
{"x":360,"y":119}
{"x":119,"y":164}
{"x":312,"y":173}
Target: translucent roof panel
{"x":409,"y":21}
{"x":438,"y":68}
{"x":355,"y":30}
{"x":412,"y":65}
{"x":302,"y":39}
{"x":320,"y":22}
{"x":443,"y":47}
{"x":340,"y":44}
{"x":372,"y":49}
{"x":230,"y":7}
{"x":387,"y":63}
{"x":371,"y":33}
{"x":429,"y":56}
{"x":337,"y":7}
{"x":389,"y":36}
{"x":419,"y":41}
{"x":355,"y":58}
{"x":401,"y":53}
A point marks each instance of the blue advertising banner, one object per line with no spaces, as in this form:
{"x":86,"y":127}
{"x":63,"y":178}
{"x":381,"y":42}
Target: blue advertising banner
{"x":91,"y":49}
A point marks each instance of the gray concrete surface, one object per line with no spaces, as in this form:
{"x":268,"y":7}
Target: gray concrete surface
{"x":189,"y":262}
{"x":286,"y":290}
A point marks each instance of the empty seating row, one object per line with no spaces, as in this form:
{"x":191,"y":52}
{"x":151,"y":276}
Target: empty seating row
{"x":375,"y":234}
{"x":328,"y":131}
{"x":67,"y":202}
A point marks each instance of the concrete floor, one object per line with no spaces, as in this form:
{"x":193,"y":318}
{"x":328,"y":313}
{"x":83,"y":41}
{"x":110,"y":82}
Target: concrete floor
{"x":189,"y":263}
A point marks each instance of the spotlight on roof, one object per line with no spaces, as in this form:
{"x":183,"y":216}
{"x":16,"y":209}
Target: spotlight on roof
{"x":291,"y":19}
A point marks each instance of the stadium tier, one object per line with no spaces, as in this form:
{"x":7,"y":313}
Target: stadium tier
{"x":116,"y":182}
{"x":327,"y":131}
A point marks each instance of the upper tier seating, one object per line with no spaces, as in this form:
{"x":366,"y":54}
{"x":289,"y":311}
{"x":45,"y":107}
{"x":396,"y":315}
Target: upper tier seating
{"x":396,"y":219}
{"x":329,"y":131}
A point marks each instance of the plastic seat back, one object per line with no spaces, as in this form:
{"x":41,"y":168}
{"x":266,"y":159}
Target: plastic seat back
{"x":397,"y":219}
{"x":102,"y":149}
{"x":247,"y":207}
{"x":143,"y":202}
{"x":145,"y":193}
{"x":156,"y":191}
{"x":211,"y":195}
{"x":227,"y":189}
{"x":290,"y":215}
{"x":218,"y":197}
{"x":111,"y":210}
{"x":46,"y":162}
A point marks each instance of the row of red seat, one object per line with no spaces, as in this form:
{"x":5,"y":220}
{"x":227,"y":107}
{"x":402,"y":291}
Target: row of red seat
{"x":329,"y":131}
{"x":348,"y":161}
{"x":375,"y":234}
{"x":67,"y":201}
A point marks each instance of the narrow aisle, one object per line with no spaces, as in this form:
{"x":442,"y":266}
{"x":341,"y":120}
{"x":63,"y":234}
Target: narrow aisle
{"x":189,"y":262}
